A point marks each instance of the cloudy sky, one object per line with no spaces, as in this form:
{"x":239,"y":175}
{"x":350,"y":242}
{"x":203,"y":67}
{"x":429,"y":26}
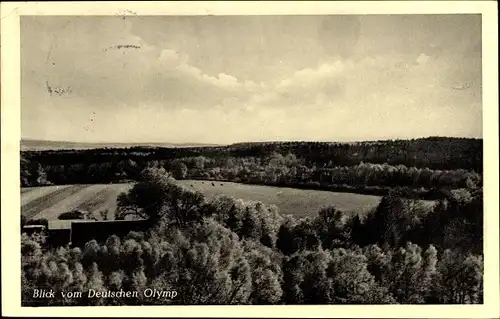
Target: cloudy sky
{"x":224,"y":79}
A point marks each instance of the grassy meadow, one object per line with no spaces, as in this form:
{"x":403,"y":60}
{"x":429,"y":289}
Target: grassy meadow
{"x":50,"y":201}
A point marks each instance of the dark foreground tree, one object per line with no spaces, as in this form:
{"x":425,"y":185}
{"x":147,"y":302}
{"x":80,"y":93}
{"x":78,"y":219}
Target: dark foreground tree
{"x":157,"y":196}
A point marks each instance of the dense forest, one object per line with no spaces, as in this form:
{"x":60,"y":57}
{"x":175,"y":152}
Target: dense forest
{"x":420,"y":168}
{"x":229,"y":251}
{"x":226,"y":250}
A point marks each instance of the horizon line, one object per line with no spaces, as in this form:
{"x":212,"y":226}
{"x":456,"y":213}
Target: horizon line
{"x":264,"y":141}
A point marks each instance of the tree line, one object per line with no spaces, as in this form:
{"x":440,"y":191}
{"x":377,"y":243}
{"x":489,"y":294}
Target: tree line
{"x":230,"y":251}
{"x":244,"y":164}
{"x":435,"y":153}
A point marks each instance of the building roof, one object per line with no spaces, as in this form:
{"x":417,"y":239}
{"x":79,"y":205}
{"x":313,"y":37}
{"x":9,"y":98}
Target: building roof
{"x":59,"y":224}
{"x":113,"y":221}
{"x":66,"y":224}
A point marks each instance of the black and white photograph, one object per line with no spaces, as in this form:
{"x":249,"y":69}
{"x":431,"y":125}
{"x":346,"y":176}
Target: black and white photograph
{"x":268,"y":159}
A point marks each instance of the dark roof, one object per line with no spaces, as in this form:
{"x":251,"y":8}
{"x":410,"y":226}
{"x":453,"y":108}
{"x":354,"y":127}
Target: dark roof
{"x":66,"y":224}
{"x":104,"y":222}
{"x":59,"y":224}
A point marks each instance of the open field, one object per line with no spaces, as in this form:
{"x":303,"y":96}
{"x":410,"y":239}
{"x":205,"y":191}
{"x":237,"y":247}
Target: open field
{"x":48,"y":202}
{"x":293,"y":201}
{"x":51,"y":201}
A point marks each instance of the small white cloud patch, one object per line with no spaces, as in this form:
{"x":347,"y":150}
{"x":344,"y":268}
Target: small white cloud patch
{"x":423,"y":58}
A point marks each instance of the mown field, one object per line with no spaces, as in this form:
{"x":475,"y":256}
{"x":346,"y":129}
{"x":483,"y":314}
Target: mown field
{"x":50,"y":201}
{"x":293,"y":201}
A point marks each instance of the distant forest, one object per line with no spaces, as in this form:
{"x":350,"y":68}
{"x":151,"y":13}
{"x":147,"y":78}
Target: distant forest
{"x":419,"y":168}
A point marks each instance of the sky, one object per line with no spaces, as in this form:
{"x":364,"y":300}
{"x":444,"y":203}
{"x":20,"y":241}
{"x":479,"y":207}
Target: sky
{"x":226,"y":79}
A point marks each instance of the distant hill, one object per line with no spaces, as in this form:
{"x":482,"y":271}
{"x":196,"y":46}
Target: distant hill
{"x":41,"y":145}
{"x":437,"y":153}
{"x":420,"y":140}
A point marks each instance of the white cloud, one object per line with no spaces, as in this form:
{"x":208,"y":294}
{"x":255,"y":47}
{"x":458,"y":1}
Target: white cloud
{"x":423,"y":58}
{"x":172,"y":60}
{"x":310,"y":76}
{"x":169,"y":58}
{"x":167,"y":91}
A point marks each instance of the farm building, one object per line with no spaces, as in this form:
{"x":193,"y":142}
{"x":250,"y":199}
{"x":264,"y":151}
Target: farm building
{"x":59,"y":232}
{"x":30,"y":229}
{"x":79,"y":232}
